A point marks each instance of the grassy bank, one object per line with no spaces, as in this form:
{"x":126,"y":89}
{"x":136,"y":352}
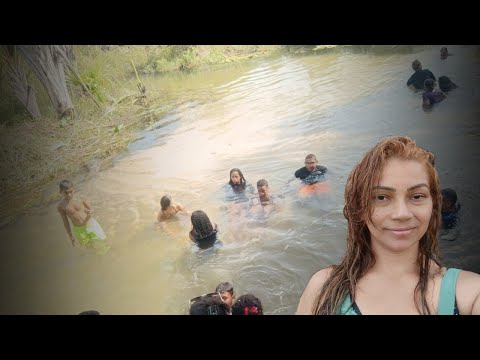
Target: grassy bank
{"x":36,"y":154}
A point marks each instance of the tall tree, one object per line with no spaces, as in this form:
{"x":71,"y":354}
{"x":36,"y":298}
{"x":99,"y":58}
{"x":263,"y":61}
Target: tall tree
{"x":47,"y":62}
{"x":18,"y":80}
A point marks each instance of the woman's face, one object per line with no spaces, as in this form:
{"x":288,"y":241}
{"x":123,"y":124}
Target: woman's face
{"x":402,"y":206}
{"x":235,"y":177}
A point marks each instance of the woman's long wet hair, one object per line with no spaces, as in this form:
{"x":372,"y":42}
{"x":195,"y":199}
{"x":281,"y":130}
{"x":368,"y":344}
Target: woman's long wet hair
{"x":358,"y":211}
{"x":240,"y":187}
{"x":202,"y":225}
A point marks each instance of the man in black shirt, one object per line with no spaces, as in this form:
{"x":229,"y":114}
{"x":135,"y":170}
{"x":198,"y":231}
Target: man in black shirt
{"x":311,"y":172}
{"x":419,"y":76}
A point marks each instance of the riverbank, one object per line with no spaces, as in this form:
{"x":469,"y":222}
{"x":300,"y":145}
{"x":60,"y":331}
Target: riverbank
{"x":36,"y":154}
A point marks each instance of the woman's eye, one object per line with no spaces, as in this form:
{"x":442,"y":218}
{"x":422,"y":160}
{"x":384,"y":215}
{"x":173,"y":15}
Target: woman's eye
{"x":418,"y":196}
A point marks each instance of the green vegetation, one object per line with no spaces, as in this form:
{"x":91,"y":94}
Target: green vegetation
{"x":110,"y":106}
{"x":158,"y":59}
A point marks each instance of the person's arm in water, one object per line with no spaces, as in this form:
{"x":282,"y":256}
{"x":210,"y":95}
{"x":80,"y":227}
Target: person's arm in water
{"x":180,"y":208}
{"x":410,"y":80}
{"x":63,"y":214}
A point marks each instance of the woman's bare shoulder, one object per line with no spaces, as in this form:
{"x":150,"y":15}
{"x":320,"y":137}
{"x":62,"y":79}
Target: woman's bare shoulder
{"x":311,"y":291}
{"x":319,"y":278}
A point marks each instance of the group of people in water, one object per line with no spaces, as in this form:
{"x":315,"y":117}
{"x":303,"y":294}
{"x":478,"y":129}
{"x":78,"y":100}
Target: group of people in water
{"x":238,"y":193}
{"x":394,"y":208}
{"x":240,"y":197}
{"x":223,"y":302}
{"x":423,"y":79}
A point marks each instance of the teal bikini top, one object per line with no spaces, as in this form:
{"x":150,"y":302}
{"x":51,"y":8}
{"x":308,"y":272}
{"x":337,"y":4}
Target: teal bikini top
{"x":446,"y":304}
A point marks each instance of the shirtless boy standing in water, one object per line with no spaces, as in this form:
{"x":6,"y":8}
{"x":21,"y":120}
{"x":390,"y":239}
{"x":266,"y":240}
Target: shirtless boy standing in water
{"x":85,"y":228}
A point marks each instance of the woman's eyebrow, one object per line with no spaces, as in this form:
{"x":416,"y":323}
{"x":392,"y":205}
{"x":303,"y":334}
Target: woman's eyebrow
{"x":392,"y":189}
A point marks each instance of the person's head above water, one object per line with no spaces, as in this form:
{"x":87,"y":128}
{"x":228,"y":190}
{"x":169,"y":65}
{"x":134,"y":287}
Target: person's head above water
{"x":237,"y":180}
{"x":429,"y":84}
{"x":263,"y":190}
{"x":226,"y":291}
{"x":201,"y":224}
{"x":416,"y":65}
{"x":165,"y":202}
{"x":449,"y":199}
{"x":311,"y":162}
{"x":443,"y":53}
{"x":247,"y":304}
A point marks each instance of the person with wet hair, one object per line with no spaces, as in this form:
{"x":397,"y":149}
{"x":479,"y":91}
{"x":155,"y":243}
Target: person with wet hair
{"x":263,"y":196}
{"x":238,"y":188}
{"x":247,"y":304}
{"x":237,"y":196}
{"x":203,"y":232}
{"x":445,"y":84}
{"x":418,"y":78}
{"x":263,"y":203}
{"x":391,"y":266}
{"x":431,"y":96}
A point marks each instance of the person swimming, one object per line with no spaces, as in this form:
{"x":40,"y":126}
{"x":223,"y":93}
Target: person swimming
{"x":311,"y":173}
{"x":450,"y":208}
{"x":169,"y":208}
{"x":417,"y":80}
{"x":444,"y":53}
{"x":431,"y":96}
{"x":238,"y":189}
